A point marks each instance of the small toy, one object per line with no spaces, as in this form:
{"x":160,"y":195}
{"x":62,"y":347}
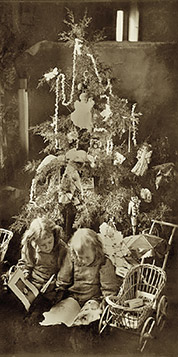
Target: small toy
{"x":133,"y":211}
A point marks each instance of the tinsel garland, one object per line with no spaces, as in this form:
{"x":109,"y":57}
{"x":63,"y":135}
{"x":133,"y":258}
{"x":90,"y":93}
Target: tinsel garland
{"x":61,"y":77}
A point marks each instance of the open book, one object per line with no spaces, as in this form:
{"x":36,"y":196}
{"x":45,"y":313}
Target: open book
{"x":69,"y":312}
{"x":24,"y":289}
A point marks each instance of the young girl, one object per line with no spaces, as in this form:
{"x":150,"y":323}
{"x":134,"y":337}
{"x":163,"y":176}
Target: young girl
{"x":42,"y":251}
{"x":86,"y":273}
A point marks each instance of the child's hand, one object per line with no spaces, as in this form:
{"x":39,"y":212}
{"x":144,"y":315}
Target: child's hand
{"x":26,"y":274}
{"x":103,"y":304}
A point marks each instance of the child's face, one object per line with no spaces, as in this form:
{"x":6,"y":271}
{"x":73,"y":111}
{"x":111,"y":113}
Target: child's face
{"x":46,"y":245}
{"x":87,"y":257}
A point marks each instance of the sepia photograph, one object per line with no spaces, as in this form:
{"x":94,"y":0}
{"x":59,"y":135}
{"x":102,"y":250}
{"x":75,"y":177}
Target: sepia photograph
{"x":88,"y":178}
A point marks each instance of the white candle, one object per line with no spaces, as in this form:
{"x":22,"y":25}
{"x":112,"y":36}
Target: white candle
{"x":119,"y":25}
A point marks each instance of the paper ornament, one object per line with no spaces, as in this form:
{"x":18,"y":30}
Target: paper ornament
{"x":144,"y":158}
{"x":119,"y":158}
{"x":82,"y":116}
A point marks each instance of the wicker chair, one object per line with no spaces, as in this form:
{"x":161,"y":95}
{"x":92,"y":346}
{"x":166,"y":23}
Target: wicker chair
{"x":5,"y":237}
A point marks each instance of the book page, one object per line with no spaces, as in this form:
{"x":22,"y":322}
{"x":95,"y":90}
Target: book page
{"x":63,"y":312}
{"x":91,"y":311}
{"x":23,"y":288}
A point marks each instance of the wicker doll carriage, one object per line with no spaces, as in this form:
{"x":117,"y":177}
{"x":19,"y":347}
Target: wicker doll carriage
{"x":140,"y":304}
{"x":5,"y":237}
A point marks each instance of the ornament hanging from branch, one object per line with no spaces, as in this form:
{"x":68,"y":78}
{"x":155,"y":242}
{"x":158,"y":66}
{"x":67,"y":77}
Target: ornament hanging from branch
{"x":144,"y":158}
{"x":119,"y":158}
{"x":164,"y":173}
{"x":106,"y":113}
{"x":109,"y":147}
{"x":82,"y":116}
{"x":146,"y":195}
{"x":71,"y":185}
{"x":133,"y":212}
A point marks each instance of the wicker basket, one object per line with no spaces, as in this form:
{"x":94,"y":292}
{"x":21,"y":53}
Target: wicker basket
{"x":5,"y":237}
{"x":144,"y":281}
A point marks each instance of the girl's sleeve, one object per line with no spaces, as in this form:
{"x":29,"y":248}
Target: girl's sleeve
{"x":63,"y":249}
{"x":24,"y":262}
{"x":65,"y":274}
{"x":109,"y":281}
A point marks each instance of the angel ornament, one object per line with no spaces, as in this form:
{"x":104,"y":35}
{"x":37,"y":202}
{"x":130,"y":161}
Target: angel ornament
{"x":144,"y":158}
{"x":82,"y":115}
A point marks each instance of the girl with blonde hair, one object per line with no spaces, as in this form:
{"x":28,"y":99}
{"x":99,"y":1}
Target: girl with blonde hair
{"x":86,"y":273}
{"x":42,"y":252}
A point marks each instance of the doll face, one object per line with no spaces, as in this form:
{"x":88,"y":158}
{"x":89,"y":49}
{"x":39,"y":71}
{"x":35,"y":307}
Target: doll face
{"x":46,"y":244}
{"x":87,"y":257}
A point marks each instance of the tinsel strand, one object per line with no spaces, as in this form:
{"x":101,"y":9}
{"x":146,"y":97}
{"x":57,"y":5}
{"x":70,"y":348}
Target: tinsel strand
{"x":133,"y":124}
{"x":56,"y":110}
{"x":32,"y":191}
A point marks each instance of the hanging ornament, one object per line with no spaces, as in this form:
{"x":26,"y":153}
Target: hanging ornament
{"x":144,"y":157}
{"x":165,"y":173}
{"x":85,"y":76}
{"x":119,"y":158}
{"x":71,"y":185}
{"x":78,"y":46}
{"x":82,"y":116}
{"x":106,"y":113}
{"x":109,"y":147}
{"x":72,"y":136}
{"x":133,"y":212}
{"x":146,"y":195}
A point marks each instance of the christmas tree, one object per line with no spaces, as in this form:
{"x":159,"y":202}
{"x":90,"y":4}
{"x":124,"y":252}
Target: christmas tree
{"x":95,"y":169}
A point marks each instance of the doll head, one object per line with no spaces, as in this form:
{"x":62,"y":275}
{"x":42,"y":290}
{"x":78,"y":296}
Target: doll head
{"x":40,"y":234}
{"x":83,"y":97}
{"x":86,"y":246}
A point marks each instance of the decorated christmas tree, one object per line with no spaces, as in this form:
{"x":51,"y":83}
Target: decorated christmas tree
{"x":95,"y":168}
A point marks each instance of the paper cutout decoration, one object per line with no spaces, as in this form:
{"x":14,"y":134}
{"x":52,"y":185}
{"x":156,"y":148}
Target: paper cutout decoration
{"x":82,"y":116}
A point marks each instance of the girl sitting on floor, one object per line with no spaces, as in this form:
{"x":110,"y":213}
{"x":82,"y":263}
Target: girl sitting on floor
{"x":86,"y":273}
{"x":42,"y":252}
